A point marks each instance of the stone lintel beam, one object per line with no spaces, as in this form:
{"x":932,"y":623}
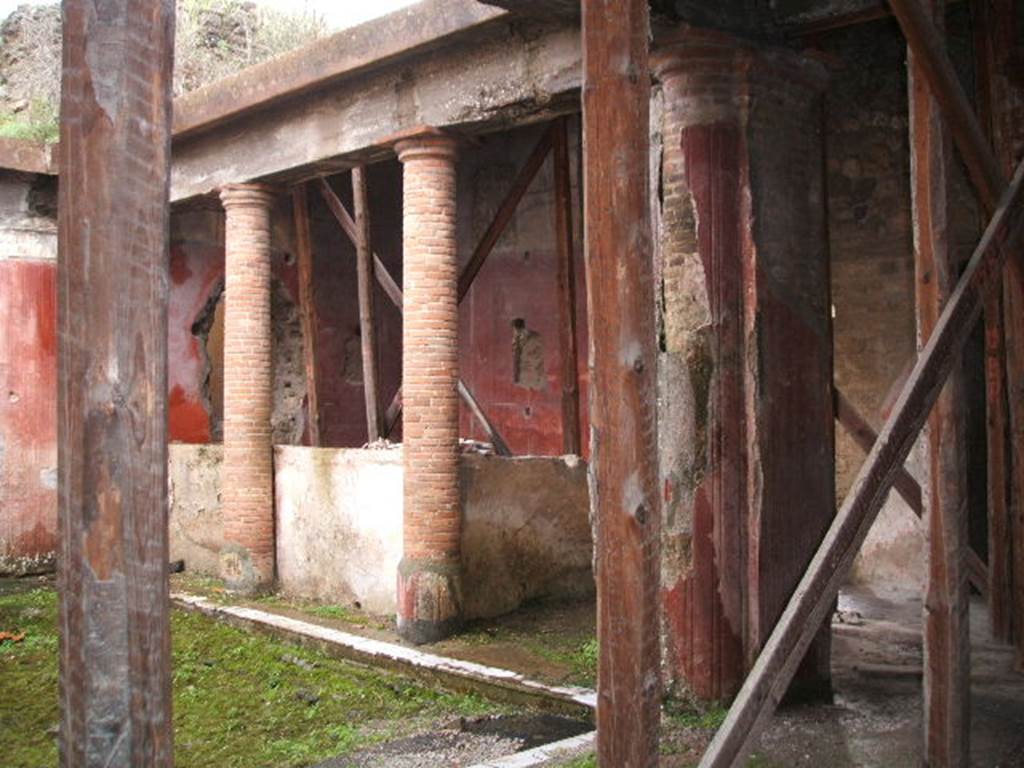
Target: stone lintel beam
{"x":491,"y":77}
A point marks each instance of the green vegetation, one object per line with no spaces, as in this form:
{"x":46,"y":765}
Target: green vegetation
{"x":709,"y":719}
{"x":239,"y":699}
{"x":213,"y":589}
{"x":571,"y":649}
{"x":589,"y":761}
{"x":37,"y":123}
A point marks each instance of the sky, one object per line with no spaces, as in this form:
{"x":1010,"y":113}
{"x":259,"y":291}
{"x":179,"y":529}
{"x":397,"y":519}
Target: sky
{"x":338,"y":13}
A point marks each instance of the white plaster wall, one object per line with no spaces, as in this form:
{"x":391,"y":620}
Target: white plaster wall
{"x":893,"y":559}
{"x":339,"y":524}
{"x":526,"y":528}
{"x":196,"y":527}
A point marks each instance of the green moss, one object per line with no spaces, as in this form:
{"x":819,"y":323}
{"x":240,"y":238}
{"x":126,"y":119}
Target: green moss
{"x":578,"y":656}
{"x":239,"y":699}
{"x":708,"y":719}
{"x":589,"y":761}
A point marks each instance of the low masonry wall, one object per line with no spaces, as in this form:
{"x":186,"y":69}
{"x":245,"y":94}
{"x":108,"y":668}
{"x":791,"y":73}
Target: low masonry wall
{"x":526,"y":529}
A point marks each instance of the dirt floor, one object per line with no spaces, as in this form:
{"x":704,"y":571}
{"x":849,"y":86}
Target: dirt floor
{"x":874,"y":720}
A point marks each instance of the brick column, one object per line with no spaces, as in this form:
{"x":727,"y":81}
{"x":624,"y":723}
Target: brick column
{"x":748,"y":470}
{"x":247,"y":558}
{"x":429,"y":578}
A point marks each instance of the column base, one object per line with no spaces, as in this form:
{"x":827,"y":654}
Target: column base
{"x":429,"y":600}
{"x":241,"y":573}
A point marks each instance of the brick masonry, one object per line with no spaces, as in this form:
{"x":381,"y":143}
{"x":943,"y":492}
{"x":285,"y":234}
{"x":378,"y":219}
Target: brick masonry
{"x":429,"y":591}
{"x":247,"y":560}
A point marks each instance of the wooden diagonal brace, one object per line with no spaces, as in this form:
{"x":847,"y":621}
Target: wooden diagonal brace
{"x":395,"y":294}
{"x":506,"y":210}
{"x":904,"y":483}
{"x":930,"y":55}
{"x":818,"y":589}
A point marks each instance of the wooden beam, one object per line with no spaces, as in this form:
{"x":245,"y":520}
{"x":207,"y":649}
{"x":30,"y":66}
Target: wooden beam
{"x":625,"y":499}
{"x":937,"y":70}
{"x":814,"y":596}
{"x":987,"y":175}
{"x":566,"y":293}
{"x":990,"y":48}
{"x":367,"y":326}
{"x":904,"y":483}
{"x":348,"y":225}
{"x":505,"y":211}
{"x":393,"y":412}
{"x":307,"y":308}
{"x":500,"y":446}
{"x":865,"y":437}
{"x":395,"y":293}
{"x":947,"y":643}
{"x":114,"y":160}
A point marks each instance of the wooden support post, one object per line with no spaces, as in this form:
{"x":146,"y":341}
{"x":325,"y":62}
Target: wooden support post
{"x":945,"y":619}
{"x":993,"y":40}
{"x":307,"y":308}
{"x":566,"y":296}
{"x":987,"y":174}
{"x":814,"y":596}
{"x":390,"y":417}
{"x":348,"y":224}
{"x":625,"y":501}
{"x":115,"y":654}
{"x":368,"y":333}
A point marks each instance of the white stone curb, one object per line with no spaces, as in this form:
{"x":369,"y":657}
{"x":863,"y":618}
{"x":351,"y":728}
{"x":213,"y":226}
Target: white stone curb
{"x":544,"y":754}
{"x":384,"y":652}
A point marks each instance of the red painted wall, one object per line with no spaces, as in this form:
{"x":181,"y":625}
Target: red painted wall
{"x":197,"y":277}
{"x":518,"y":282}
{"x":516,"y":286}
{"x":197,"y":273}
{"x":28,"y":408}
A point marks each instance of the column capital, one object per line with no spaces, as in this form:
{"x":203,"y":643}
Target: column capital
{"x":425,"y":141}
{"x":687,"y":48}
{"x":695,"y":53}
{"x":248,"y":195}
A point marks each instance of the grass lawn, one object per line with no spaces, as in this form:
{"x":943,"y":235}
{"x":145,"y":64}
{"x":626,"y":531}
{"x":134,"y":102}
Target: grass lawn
{"x":239,"y":699}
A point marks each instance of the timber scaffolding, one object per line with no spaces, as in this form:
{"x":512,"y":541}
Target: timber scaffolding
{"x":336,"y":106}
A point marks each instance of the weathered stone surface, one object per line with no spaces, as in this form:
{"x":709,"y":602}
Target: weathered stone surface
{"x":195,"y":518}
{"x":526,"y":532}
{"x":509,"y":74}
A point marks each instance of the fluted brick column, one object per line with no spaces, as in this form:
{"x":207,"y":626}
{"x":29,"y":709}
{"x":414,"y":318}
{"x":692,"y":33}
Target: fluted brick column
{"x":247,"y":558}
{"x":429,"y":579}
{"x":749,"y":473}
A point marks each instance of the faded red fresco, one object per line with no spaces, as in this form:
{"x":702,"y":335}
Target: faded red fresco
{"x":196,"y":271}
{"x":28,"y":408}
